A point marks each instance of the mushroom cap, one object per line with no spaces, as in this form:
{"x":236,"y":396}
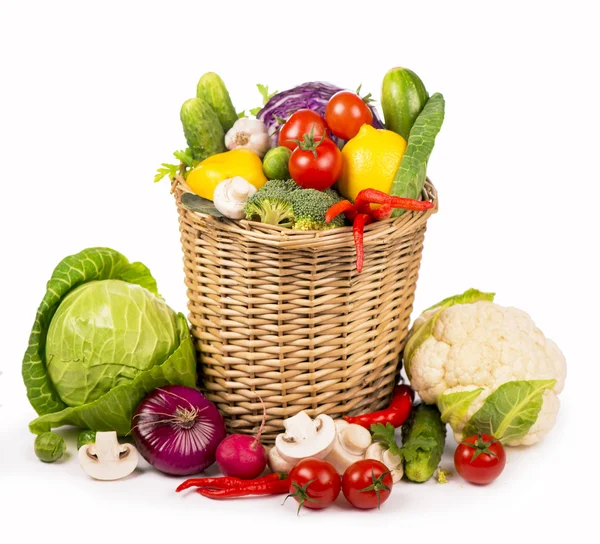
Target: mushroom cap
{"x":305,"y":437}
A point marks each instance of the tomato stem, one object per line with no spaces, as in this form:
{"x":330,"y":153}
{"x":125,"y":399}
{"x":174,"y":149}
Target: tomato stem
{"x":378,"y":486}
{"x":308,"y":142}
{"x":301,"y":494}
{"x":481,"y":446}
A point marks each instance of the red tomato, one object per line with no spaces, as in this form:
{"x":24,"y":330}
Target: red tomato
{"x":345,"y":113}
{"x":299,"y":124}
{"x":480,"y":459}
{"x":314,"y":483}
{"x":367,"y":484}
{"x":316,"y":172}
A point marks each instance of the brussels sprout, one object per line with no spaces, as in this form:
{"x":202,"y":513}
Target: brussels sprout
{"x":49,"y":447}
{"x":86,"y":437}
{"x":275,"y":163}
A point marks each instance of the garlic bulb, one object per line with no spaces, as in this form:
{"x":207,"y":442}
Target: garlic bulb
{"x":249,"y":133}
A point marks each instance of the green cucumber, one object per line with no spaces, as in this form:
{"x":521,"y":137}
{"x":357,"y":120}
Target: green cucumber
{"x":275,"y":163}
{"x":403,"y":97}
{"x":213,"y":91}
{"x":423,"y":438}
{"x":411,"y":174}
{"x":202,"y":129}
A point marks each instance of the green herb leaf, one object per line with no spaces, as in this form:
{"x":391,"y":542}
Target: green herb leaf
{"x":410,"y":177}
{"x":510,"y":411}
{"x":196,"y":203}
{"x":410,"y":449}
{"x":254,"y":111}
{"x":386,"y":436}
{"x":264,"y":92}
{"x":165,"y":169}
{"x":185,"y":156}
{"x":241,"y":114}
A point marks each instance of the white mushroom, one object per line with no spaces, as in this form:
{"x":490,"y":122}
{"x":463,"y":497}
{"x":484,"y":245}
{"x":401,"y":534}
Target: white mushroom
{"x":106,"y":459}
{"x":392,"y":462}
{"x":350,"y":445}
{"x":278,"y":463}
{"x":230,"y":196}
{"x":305,"y":437}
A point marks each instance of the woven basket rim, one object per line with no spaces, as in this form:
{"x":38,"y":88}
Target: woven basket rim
{"x":277,"y":233}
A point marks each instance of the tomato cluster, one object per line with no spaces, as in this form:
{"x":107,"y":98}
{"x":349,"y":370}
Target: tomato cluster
{"x":316,"y":161}
{"x":316,"y":484}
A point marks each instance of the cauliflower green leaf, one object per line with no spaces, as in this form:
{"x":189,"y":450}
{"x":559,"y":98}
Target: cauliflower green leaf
{"x":510,"y":411}
{"x":454,"y":406}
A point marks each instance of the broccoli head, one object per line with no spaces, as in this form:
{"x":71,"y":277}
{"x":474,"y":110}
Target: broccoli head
{"x":310,"y":206}
{"x":272,"y":204}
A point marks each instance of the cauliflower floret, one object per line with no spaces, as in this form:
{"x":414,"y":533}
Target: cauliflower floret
{"x":484,"y":345}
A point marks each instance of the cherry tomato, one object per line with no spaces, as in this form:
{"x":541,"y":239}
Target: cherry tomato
{"x":299,"y":124}
{"x":480,"y":459}
{"x":314,"y":483}
{"x":345,"y":113}
{"x":367,"y":484}
{"x":316,"y":164}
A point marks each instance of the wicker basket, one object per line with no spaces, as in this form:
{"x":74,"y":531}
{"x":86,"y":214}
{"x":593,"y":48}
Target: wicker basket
{"x":283,"y":314}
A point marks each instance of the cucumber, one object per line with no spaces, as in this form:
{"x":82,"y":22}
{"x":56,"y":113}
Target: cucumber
{"x":403,"y":96}
{"x":203,"y":132}
{"x":275,"y":163}
{"x":213,"y":91}
{"x":412,"y":172}
{"x":423,"y":438}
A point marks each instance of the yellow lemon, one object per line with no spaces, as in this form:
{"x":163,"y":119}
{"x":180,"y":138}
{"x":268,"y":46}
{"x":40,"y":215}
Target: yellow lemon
{"x":211,"y":171}
{"x":370,"y":161}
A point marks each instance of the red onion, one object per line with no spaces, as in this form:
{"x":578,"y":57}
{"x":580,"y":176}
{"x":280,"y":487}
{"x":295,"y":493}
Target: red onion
{"x":177,"y":430}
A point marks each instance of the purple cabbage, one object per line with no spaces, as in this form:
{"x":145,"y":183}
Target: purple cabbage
{"x":313,"y":95}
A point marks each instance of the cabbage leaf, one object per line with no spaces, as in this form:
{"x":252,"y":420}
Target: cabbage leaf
{"x":510,"y":411}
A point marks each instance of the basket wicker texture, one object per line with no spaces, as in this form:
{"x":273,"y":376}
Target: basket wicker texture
{"x":284,"y":316}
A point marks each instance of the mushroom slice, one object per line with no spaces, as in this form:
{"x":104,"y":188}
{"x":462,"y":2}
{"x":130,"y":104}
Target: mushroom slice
{"x":350,"y":445}
{"x":305,"y":437}
{"x":106,"y":459}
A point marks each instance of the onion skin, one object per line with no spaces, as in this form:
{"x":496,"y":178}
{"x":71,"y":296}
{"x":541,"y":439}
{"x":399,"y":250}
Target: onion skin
{"x":177,"y":430}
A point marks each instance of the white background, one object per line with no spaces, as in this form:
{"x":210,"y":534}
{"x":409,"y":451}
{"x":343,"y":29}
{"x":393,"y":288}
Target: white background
{"x":89,"y":107}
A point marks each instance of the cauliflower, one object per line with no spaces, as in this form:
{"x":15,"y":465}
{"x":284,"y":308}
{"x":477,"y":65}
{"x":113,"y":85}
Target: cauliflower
{"x":488,"y":368}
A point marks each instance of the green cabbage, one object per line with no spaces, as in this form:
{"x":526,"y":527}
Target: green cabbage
{"x":102,"y":340}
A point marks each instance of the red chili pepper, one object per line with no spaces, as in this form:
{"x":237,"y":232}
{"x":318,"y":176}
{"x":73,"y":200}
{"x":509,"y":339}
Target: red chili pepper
{"x":337,"y":209}
{"x":383,"y":212}
{"x":252,"y":487}
{"x":361,"y":214}
{"x":396,"y":414}
{"x":227,"y":482}
{"x":358,"y":229}
{"x":373,"y":196}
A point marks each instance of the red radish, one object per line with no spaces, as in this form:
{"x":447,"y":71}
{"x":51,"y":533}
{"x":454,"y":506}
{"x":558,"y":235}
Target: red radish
{"x":241,"y":455}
